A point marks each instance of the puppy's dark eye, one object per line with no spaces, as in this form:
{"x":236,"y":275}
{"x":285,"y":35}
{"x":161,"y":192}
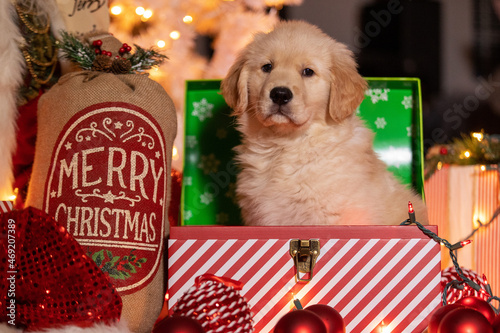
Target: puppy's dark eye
{"x":307,"y":72}
{"x":267,"y":68}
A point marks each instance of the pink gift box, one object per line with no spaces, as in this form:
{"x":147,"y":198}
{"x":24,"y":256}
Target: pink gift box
{"x":372,"y":275}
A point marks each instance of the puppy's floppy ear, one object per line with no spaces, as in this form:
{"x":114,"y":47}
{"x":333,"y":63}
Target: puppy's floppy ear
{"x":347,"y":86}
{"x":234,"y":86}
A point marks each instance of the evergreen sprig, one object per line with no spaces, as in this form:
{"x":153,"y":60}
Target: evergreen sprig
{"x":484,"y":151}
{"x":144,"y":59}
{"x":76,"y":51}
{"x":84,"y":55}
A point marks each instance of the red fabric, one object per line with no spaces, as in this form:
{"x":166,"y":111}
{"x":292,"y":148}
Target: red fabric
{"x":22,"y":159}
{"x":47,"y":280}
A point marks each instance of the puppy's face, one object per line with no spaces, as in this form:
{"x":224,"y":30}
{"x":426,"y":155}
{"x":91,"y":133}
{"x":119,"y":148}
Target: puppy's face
{"x":291,"y":77}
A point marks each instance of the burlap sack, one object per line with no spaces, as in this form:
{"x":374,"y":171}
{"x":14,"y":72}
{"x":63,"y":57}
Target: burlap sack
{"x":102,"y":169}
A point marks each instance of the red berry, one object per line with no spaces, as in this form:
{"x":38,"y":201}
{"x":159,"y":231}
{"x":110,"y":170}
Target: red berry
{"x":128,"y":48}
{"x":109,"y":54}
{"x":122,"y":50}
{"x":443,"y":151}
{"x":97,"y":51}
{"x":98,"y":42}
{"x":125,"y":45}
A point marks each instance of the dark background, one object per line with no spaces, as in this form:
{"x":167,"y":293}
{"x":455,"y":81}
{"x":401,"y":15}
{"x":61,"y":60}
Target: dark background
{"x":453,"y":46}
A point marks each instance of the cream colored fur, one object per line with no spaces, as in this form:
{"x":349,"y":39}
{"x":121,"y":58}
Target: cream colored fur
{"x":11,"y":78}
{"x":309,"y":161}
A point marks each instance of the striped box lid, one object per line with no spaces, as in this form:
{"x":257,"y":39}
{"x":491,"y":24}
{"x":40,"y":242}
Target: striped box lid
{"x":6,"y":206}
{"x":372,"y":275}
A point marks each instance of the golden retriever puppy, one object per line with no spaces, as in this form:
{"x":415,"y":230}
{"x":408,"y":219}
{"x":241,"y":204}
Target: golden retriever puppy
{"x":305,"y":157}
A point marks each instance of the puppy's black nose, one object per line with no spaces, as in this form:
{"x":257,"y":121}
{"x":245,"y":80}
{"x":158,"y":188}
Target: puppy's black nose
{"x":281,"y":95}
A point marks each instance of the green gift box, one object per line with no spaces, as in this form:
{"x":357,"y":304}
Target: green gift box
{"x":392,"y":108}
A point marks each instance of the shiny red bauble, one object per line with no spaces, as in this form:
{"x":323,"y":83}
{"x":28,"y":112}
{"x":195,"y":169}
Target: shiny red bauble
{"x":178,"y":324}
{"x":438,"y":314}
{"x":300,"y":321}
{"x":331,"y":318}
{"x":496,"y":324}
{"x":480,"y":305}
{"x":464,"y":320}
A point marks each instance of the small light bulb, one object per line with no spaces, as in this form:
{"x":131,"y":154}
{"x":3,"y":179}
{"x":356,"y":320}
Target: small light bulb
{"x":478,"y":136}
{"x":12,"y":197}
{"x":384,"y":329}
{"x":187,"y":19}
{"x":148,"y":13}
{"x":467,"y":154}
{"x":116,"y":10}
{"x":175,"y":154}
{"x":140,"y":11}
{"x":175,"y":35}
{"x":483,"y":167}
{"x":161,"y":44}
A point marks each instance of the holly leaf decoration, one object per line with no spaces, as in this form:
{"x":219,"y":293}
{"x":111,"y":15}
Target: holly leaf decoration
{"x":115,"y":266}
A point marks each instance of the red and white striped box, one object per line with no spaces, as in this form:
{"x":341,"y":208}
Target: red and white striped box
{"x":6,"y":206}
{"x":372,"y":275}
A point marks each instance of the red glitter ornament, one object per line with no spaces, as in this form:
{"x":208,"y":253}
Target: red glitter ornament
{"x":331,"y":318}
{"x":178,"y":324}
{"x":437,"y":315}
{"x":56,"y":283}
{"x":300,"y":321}
{"x":216,"y":304}
{"x":480,"y":305}
{"x":464,"y":320}
{"x":453,"y":295}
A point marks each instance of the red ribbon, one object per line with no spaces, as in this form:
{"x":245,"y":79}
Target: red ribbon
{"x":222,"y":279}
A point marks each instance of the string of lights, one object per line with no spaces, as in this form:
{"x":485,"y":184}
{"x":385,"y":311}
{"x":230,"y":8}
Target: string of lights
{"x":484,"y":225}
{"x":453,"y":248}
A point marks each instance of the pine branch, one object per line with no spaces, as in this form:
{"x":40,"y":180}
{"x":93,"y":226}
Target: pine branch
{"x":76,"y":51}
{"x":143,"y":59}
{"x":467,"y":150}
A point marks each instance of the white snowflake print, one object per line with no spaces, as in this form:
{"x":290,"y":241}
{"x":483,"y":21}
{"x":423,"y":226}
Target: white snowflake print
{"x":188,"y":181}
{"x":378,"y":94}
{"x":209,"y":164}
{"x":202,"y":109}
{"x":409,"y":130}
{"x":191,"y":141}
{"x":407,"y":102}
{"x":380,"y":122}
{"x":188,"y":215}
{"x":207,"y":198}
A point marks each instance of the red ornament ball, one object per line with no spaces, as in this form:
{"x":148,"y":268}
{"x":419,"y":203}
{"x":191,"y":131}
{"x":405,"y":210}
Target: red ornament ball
{"x":443,"y":151}
{"x":438,"y":315}
{"x":331,"y":318}
{"x":300,"y":321}
{"x":480,"y":305}
{"x":217,"y":305}
{"x":453,"y":295}
{"x":496,"y":324}
{"x":178,"y":324}
{"x":464,"y":320}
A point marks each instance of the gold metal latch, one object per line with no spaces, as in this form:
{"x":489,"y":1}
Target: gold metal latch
{"x":304,"y":253}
